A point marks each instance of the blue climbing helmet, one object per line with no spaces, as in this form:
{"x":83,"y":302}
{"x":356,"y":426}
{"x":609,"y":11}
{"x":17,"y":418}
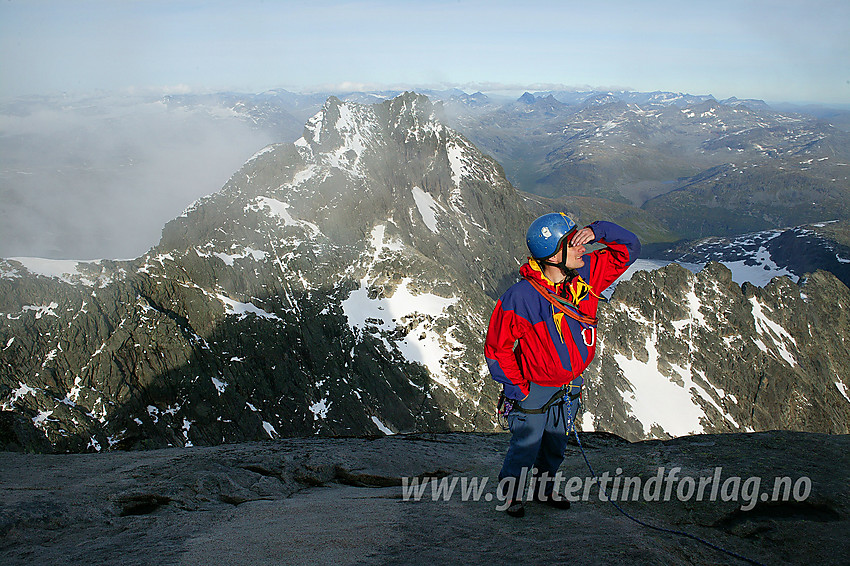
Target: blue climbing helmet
{"x":546,"y":234}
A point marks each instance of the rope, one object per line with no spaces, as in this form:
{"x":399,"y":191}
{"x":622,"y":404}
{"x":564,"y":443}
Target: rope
{"x":561,"y":305}
{"x":636,"y":520}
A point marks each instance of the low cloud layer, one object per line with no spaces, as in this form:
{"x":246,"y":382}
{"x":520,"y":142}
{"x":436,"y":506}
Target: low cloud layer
{"x":99,"y":178}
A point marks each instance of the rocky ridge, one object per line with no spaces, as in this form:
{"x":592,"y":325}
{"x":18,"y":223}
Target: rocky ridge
{"x":685,"y":353}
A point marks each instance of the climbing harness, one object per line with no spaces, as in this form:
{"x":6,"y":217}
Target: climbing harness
{"x":621,"y":510}
{"x":506,"y":405}
{"x":563,"y":395}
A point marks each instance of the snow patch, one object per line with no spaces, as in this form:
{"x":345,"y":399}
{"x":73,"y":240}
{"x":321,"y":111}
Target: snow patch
{"x":242,"y":310}
{"x":843,"y":390}
{"x":759,"y":274}
{"x":270,"y":430}
{"x":187,"y":425}
{"x":694,"y":314}
{"x":219,"y":385}
{"x":767,"y":327}
{"x":655,"y":399}
{"x":42,"y":310}
{"x":320,"y":409}
{"x":587,"y":422}
{"x":382,"y":427}
{"x":421,"y":343}
{"x":256,"y":255}
{"x":427,"y":207}
{"x":379,"y":243}
{"x":456,"y":162}
{"x":71,"y":271}
{"x":41,"y":418}
{"x":22,"y":390}
{"x":280,"y":211}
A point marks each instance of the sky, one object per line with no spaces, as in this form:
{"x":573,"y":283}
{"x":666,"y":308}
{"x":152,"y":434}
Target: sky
{"x":777,"y":50}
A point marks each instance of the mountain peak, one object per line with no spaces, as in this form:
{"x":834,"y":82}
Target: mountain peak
{"x":414,"y":103}
{"x":526,"y":98}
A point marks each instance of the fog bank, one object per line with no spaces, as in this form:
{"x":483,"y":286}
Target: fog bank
{"x":99,"y":178}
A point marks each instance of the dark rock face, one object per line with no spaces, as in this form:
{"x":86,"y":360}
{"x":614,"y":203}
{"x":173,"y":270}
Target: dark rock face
{"x":342,"y":285}
{"x":820,"y":246}
{"x":685,"y":353}
{"x":18,"y":434}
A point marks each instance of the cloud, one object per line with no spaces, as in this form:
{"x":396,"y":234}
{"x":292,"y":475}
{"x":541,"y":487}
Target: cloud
{"x":469,"y":87}
{"x":98,"y":178}
{"x":159,"y":90}
{"x":346,"y":86}
{"x":535,"y":87}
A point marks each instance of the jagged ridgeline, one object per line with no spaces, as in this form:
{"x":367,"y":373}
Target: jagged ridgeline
{"x":342,"y":285}
{"x":686,"y":353}
{"x":338,"y":285}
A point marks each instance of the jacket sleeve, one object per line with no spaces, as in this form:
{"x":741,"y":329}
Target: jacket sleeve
{"x":505,"y":328}
{"x":622,"y":248}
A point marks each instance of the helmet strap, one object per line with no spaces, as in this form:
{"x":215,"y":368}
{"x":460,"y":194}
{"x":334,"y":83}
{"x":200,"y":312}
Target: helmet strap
{"x":568,"y":272}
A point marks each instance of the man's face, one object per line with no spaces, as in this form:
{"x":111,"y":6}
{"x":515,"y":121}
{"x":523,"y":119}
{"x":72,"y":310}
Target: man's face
{"x":574,"y":253}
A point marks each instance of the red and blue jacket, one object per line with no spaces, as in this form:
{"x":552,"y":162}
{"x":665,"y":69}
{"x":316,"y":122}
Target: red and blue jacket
{"x":529,"y":340}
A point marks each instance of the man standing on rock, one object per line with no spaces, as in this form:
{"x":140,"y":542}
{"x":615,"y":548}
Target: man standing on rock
{"x":541,"y":337}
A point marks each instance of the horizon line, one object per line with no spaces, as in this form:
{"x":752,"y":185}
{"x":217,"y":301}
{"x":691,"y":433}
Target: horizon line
{"x":469,"y":89}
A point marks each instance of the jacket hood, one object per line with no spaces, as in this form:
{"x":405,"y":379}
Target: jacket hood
{"x":531,"y":269}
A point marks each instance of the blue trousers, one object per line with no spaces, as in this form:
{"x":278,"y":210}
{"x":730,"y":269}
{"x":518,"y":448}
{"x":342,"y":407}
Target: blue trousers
{"x":537,"y":440}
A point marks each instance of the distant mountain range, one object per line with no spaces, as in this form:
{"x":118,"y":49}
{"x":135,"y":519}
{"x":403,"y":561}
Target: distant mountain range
{"x":695,"y":166}
{"x":699,"y":166}
{"x":680,"y":166}
{"x":341,"y":285}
